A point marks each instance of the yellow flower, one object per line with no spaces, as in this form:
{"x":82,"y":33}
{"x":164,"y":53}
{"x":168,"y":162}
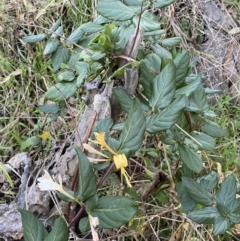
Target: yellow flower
{"x":100,"y":140}
{"x":120,"y":160}
{"x":45,"y":135}
{"x":46,"y":183}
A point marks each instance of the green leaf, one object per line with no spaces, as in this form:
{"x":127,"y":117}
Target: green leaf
{"x":181,"y":62}
{"x":34,"y":38}
{"x":204,"y":216}
{"x":56,"y":24}
{"x":60,"y":91}
{"x":153,"y":62}
{"x":31,"y":141}
{"x":161,"y":52}
{"x":221,"y":225}
{"x":103,"y":126}
{"x":91,"y":27}
{"x":115,"y":10}
{"x":114,"y":211}
{"x":66,"y":75}
{"x":59,"y":231}
{"x":51,"y":46}
{"x":170,"y":42}
{"x":91,"y":203}
{"x":75,"y":36}
{"x":84,"y":225}
{"x":82,"y":69}
{"x":154,"y":33}
{"x":198,"y":101}
{"x":134,"y":128}
{"x":234,"y":207}
{"x":210,"y":181}
{"x":49,"y":109}
{"x":33,"y":229}
{"x":197,"y":192}
{"x":64,"y":197}
{"x":208,"y":143}
{"x":162,"y":3}
{"x":227,"y":192}
{"x":124,"y":99}
{"x":86,"y":177}
{"x":146,"y":79}
{"x":59,"y":57}
{"x":166,"y":118}
{"x":190,"y":158}
{"x":213,"y":129}
{"x":190,"y":88}
{"x":187,"y":203}
{"x":163,"y":87}
{"x":223,"y":210}
{"x":148,"y":22}
{"x":234,"y":218}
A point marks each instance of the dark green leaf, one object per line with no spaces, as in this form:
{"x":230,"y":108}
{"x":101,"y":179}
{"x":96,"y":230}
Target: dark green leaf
{"x":56,"y":24}
{"x":234,"y":207}
{"x":221,"y":225}
{"x":86,"y":177}
{"x":124,"y":99}
{"x":167,"y":118}
{"x":154,"y":33}
{"x":64,"y":197}
{"x":190,"y":88}
{"x":197,"y":192}
{"x":210,"y":181}
{"x":61,"y":91}
{"x":84,"y":225}
{"x":170,"y":42}
{"x":31,"y":141}
{"x":187,"y":203}
{"x":204,"y":216}
{"x":148,"y":22}
{"x":198,"y":101}
{"x":51,"y":46}
{"x":59,"y":57}
{"x":103,"y":126}
{"x":181,"y":62}
{"x":82,"y":69}
{"x":75,"y":36}
{"x":146,"y":79}
{"x":162,"y":3}
{"x":153,"y":62}
{"x":115,"y":10}
{"x":66,"y":75}
{"x":227,"y":192}
{"x":33,"y":229}
{"x":34,"y":38}
{"x":91,"y":27}
{"x":91,"y":203}
{"x":59,"y":231}
{"x":213,"y":129}
{"x":223,"y":210}
{"x":234,"y":218}
{"x":190,"y":158}
{"x":114,"y":211}
{"x":208,"y":143}
{"x":163,"y":87}
{"x":49,"y":109}
{"x":134,"y":128}
{"x":161,"y":52}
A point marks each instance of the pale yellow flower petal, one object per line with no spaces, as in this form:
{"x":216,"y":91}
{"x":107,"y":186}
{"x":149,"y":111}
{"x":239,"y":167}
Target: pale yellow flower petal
{"x":100,"y":140}
{"x":120,"y":161}
{"x":93,"y":151}
{"x":97,"y":159}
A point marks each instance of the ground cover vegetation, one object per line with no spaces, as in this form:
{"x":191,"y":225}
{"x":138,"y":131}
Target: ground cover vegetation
{"x":156,"y":158}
